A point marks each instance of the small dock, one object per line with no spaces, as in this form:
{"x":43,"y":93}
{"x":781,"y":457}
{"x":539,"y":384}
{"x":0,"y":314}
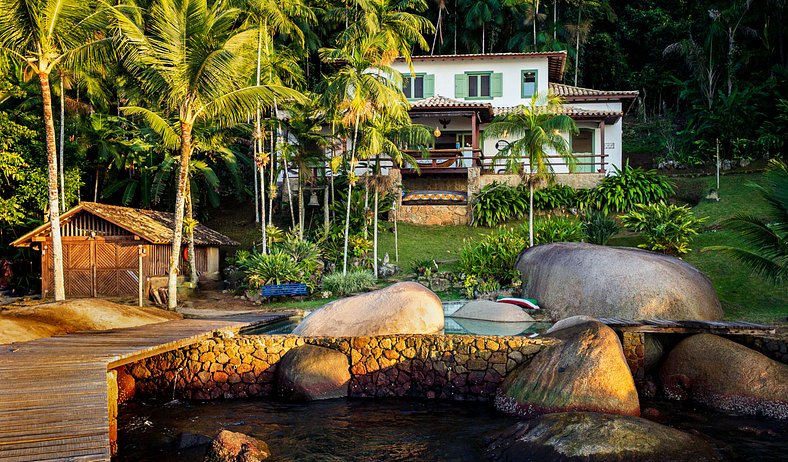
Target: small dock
{"x":54,"y":400}
{"x":663,"y":326}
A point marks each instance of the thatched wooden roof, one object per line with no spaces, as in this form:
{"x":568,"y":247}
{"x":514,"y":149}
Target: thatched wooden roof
{"x":150,"y":225}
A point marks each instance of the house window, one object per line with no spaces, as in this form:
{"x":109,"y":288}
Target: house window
{"x":413,"y":86}
{"x":479,"y":85}
{"x":529,"y":83}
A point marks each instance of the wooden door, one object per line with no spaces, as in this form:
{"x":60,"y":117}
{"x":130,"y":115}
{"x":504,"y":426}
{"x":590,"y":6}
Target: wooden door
{"x":116,"y":269}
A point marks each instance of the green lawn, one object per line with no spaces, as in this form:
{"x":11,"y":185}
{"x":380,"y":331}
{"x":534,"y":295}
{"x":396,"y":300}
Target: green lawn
{"x":744,"y":296}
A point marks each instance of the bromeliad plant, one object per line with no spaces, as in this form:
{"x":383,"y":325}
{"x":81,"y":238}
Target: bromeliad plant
{"x":668,"y":228}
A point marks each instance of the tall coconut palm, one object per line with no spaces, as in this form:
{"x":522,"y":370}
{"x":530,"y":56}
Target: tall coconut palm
{"x":385,"y":137}
{"x":361,"y":88}
{"x":766,"y":240}
{"x":45,"y":36}
{"x":537,"y":130}
{"x":192,"y":62}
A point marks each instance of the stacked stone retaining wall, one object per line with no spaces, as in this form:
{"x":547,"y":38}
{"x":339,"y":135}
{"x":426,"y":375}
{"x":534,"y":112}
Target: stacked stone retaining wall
{"x":428,"y":366}
{"x":773,"y":346}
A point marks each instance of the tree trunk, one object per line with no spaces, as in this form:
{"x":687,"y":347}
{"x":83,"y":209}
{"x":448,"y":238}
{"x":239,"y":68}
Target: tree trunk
{"x":191,"y":254}
{"x":300,"y":204}
{"x":62,"y":144}
{"x":349,"y":195}
{"x":577,"y":43}
{"x":254,"y":180}
{"x":177,"y":231}
{"x":531,"y":211}
{"x":326,"y":213}
{"x":54,"y":206}
{"x":375,"y":235}
{"x":272,"y":178}
{"x":366,"y":202}
{"x":263,"y":224}
{"x":289,"y":192}
{"x":555,"y":20}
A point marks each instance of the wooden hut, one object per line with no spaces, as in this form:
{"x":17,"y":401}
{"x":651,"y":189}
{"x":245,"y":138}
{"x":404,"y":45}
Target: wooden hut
{"x":106,"y":247}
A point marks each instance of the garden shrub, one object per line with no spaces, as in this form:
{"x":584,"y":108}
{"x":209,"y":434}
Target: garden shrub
{"x":293,"y":260}
{"x":488,"y":262}
{"x":598,"y":227}
{"x":497,"y":203}
{"x":493,"y":256}
{"x":668,"y":228}
{"x":553,"y":197}
{"x":354,"y":281}
{"x":555,"y":229}
{"x":630,"y":186}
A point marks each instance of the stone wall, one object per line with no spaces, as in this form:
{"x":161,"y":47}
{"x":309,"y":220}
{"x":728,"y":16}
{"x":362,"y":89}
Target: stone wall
{"x":579,"y":180}
{"x":433,"y":182}
{"x":426,"y":366}
{"x":436,"y":215}
{"x":773,"y":346}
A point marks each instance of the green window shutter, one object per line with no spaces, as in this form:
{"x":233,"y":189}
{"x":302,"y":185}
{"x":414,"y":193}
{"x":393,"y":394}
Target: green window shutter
{"x":429,"y":85}
{"x":460,"y":86}
{"x":496,"y":85}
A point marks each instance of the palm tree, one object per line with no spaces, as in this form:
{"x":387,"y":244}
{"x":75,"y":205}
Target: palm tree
{"x":46,"y":35}
{"x":537,"y":130}
{"x":386,"y":136}
{"x":191,"y":61}
{"x":272,"y":17}
{"x":363,"y":87}
{"x":767,"y":239}
{"x":582,"y":29}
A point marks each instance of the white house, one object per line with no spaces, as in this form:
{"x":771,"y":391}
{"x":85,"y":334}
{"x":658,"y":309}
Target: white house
{"x":460,"y":94}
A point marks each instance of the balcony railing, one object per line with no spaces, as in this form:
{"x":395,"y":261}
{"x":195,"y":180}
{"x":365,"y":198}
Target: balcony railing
{"x":459,"y":160}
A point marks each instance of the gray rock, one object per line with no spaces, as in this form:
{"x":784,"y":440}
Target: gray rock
{"x":727,"y":376}
{"x":485,"y":310}
{"x":586,"y":371}
{"x":310,"y":372}
{"x":230,"y":446}
{"x":584,"y":279}
{"x":403,"y":308}
{"x":591,"y":437}
{"x":189,"y":440}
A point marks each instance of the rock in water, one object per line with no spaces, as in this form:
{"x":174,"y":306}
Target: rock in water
{"x":725,"y":375}
{"x":571,"y":278}
{"x":592,"y":437}
{"x":230,"y":446}
{"x":127,"y":386}
{"x":403,"y":308}
{"x":587,"y":371}
{"x":311,"y":372}
{"x":485,"y":310}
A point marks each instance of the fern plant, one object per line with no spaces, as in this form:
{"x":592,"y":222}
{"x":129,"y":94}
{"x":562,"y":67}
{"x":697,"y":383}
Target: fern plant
{"x":668,"y":228}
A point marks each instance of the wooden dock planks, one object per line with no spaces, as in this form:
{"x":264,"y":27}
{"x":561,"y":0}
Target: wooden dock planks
{"x":53,"y":391}
{"x":666,"y":326}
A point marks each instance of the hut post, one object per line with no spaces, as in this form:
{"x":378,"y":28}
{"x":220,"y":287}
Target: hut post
{"x":140,"y":283}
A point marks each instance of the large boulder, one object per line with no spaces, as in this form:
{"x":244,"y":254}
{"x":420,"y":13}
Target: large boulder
{"x":612,"y":282}
{"x":725,"y":375}
{"x":230,"y":446}
{"x":485,"y":310}
{"x":403,"y":308}
{"x":586,"y":371}
{"x":592,"y":437}
{"x":311,"y":372}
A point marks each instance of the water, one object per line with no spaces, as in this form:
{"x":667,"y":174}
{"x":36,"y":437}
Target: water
{"x":452,"y":325}
{"x":392,"y":429}
{"x":332,"y":430}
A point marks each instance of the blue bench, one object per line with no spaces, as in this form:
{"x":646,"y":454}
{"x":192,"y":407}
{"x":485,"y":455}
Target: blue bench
{"x":280,"y":290}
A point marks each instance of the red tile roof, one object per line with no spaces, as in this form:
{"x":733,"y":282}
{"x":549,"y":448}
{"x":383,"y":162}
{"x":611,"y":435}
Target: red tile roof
{"x":571,"y":93}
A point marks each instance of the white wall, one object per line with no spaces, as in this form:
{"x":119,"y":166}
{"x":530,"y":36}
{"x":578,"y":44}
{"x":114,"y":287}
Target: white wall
{"x":445,"y":70}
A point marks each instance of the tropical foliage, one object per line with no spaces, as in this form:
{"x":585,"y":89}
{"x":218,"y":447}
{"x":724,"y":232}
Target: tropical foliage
{"x":766,"y":240}
{"x":667,"y":228}
{"x":354,"y":281}
{"x":627,"y":188}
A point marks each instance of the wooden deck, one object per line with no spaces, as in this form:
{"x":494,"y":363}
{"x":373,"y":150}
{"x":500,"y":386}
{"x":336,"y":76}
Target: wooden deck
{"x":53,"y":391}
{"x":663,"y":326}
